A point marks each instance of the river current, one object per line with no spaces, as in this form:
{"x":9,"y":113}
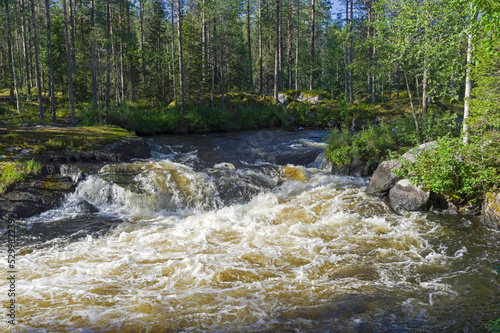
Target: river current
{"x":247,"y":232}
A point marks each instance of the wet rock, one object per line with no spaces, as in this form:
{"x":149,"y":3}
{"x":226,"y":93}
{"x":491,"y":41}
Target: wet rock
{"x":34,"y":195}
{"x":405,"y":196}
{"x":356,"y":168}
{"x":84,"y":207}
{"x":491,"y":211}
{"x":383,"y":179}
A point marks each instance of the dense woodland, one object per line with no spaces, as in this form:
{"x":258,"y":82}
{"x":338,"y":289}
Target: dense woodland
{"x":173,"y":55}
{"x":116,"y":51}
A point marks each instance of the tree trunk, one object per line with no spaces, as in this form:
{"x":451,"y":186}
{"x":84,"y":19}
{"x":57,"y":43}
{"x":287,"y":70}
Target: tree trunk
{"x":399,"y":80}
{"x":51,"y":66}
{"x":276,"y":60}
{"x":115,"y":67}
{"x":289,"y":48}
{"x":25,"y":52}
{"x":37,"y":65}
{"x":143,"y":63}
{"x":415,"y":119}
{"x":130,"y":59}
{"x":249,"y":44}
{"x":260,"y":47}
{"x":468,"y":86}
{"x":351,"y":93}
{"x":72,"y":26}
{"x":311,"y":78}
{"x":203,"y":42}
{"x":93,"y":53}
{"x":424,"y":90}
{"x":173,"y":50}
{"x":13,"y":82}
{"x":181,"y":73}
{"x":346,"y":52}
{"x":122,"y":62}
{"x":108,"y":62}
{"x":297,"y":48}
{"x":70,"y":71}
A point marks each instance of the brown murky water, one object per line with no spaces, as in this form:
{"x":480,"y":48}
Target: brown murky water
{"x":245,"y":232}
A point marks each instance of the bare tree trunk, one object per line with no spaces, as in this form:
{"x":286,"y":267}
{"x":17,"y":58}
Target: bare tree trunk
{"x":468,"y":87}
{"x":115,"y":68}
{"x":351,"y":93}
{"x":70,"y":71}
{"x":72,"y":26}
{"x":173,"y":49}
{"x":289,"y":48}
{"x":25,"y":52}
{"x":122,"y":63}
{"x":346,"y":52}
{"x":131,"y":63}
{"x":51,"y":66}
{"x":249,"y":44}
{"x":181,"y":73}
{"x":203,"y":41}
{"x":311,"y":78}
{"x":424,"y":90}
{"x":374,"y":79}
{"x":260,"y":46}
{"x":415,"y":119}
{"x":399,"y":80}
{"x":143,"y":64}
{"x":93,"y":53}
{"x":108,"y":62}
{"x":12,"y":70}
{"x":297,"y":47}
{"x":37,"y":65}
{"x":276,"y":61}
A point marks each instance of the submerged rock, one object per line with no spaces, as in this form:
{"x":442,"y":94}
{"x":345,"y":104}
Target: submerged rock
{"x":405,"y":196}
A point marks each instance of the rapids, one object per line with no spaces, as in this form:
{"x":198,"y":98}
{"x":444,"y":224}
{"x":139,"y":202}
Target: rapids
{"x":247,"y":232}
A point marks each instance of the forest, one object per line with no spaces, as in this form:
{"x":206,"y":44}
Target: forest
{"x":157,"y":66}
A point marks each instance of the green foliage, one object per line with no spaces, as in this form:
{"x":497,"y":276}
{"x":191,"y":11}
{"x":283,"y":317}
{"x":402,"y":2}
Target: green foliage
{"x":372,"y":145}
{"x":432,"y":127}
{"x":17,"y":171}
{"x":494,"y":326}
{"x":456,"y":171}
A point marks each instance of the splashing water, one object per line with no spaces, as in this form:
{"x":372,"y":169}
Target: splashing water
{"x":224,"y":243}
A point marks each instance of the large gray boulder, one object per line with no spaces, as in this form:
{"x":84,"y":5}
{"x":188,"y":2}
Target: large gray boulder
{"x":404,"y":196}
{"x":491,"y":211}
{"x":383,"y":179}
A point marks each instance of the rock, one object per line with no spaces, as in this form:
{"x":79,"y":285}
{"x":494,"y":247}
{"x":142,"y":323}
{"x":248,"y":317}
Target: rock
{"x":24,"y":124}
{"x":84,"y":207}
{"x":282,"y":99}
{"x":297,"y":173}
{"x":314,"y":100}
{"x":404,"y":196}
{"x":122,"y":151}
{"x":383,"y":179}
{"x":412,"y":154}
{"x":356,"y":168}
{"x":333,"y":123}
{"x":34,"y":195}
{"x":491,"y":211}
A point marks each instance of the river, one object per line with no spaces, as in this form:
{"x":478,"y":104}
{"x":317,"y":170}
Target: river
{"x":245,"y":232}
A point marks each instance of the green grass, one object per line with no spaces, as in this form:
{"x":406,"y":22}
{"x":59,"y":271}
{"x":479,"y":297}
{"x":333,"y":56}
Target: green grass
{"x":17,"y":171}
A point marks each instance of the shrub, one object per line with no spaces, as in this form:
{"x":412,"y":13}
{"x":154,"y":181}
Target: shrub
{"x":459,"y":173}
{"x":372,"y":144}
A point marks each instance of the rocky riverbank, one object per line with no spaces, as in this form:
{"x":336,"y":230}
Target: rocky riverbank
{"x":60,"y":173}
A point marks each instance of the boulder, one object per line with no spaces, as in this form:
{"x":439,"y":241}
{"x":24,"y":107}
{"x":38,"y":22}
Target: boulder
{"x":282,"y":99}
{"x":383,"y":179}
{"x":491,"y":211}
{"x":34,"y":195}
{"x":412,"y":154}
{"x":355,"y":168}
{"x":404,"y":196}
{"x":84,"y":207}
